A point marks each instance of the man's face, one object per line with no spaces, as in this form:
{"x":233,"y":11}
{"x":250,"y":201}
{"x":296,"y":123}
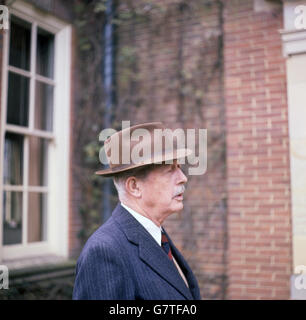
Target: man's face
{"x":162,"y":189}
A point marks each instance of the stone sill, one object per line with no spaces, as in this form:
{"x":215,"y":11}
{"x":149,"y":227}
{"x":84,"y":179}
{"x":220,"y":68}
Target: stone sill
{"x":39,"y":269}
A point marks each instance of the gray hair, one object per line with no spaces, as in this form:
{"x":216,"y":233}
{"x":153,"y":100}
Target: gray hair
{"x":119,"y":185}
{"x":139,"y":173}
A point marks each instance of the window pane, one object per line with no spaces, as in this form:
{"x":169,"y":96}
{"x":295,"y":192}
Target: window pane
{"x":13,"y":159}
{"x":12,"y":217}
{"x":45,"y":53}
{"x":20,"y":43}
{"x":18,"y":100}
{"x":37,"y":217}
{"x":38,"y":163}
{"x":43,"y":106}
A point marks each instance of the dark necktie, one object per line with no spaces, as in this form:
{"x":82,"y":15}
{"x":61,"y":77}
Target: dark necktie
{"x":166,"y":246}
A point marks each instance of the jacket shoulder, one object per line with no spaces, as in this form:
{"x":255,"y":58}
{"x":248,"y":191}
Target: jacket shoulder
{"x":107,"y":235}
{"x":102,"y":270}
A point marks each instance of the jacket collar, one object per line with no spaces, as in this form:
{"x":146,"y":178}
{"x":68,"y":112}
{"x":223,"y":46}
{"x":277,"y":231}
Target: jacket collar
{"x":152,"y":254}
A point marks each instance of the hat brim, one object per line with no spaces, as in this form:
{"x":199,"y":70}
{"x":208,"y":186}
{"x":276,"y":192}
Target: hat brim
{"x":167,"y":156}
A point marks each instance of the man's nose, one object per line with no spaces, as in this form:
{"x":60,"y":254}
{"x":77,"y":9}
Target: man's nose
{"x":182,"y":177}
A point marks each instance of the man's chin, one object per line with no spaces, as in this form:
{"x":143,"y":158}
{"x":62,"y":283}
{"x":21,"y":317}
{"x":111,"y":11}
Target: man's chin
{"x":179,"y":206}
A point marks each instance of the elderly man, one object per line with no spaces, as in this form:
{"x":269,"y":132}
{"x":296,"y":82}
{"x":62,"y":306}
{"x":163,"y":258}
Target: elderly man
{"x":131,"y":256}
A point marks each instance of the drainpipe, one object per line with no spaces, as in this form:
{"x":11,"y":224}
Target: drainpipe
{"x":108,"y":61}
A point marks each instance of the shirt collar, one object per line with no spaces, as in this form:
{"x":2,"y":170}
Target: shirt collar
{"x":148,"y":224}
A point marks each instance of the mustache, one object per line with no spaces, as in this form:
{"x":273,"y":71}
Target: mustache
{"x":179,"y":190}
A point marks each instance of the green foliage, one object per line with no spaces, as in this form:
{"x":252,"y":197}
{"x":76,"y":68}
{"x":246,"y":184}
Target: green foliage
{"x":91,"y":151}
{"x":100,"y":7}
{"x":127,"y":55}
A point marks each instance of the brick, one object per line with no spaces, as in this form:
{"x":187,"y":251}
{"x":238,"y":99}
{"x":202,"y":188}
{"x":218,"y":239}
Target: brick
{"x":255,"y":162}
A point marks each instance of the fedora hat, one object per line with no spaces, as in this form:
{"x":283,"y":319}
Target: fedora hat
{"x":125,"y":150}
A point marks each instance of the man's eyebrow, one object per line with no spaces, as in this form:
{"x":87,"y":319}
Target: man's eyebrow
{"x":167,"y":166}
{"x":174,"y":165}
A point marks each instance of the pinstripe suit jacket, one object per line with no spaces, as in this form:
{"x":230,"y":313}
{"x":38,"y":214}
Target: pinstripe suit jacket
{"x":121,"y":260}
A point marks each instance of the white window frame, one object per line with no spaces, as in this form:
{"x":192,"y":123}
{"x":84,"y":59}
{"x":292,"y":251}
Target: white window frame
{"x":294,"y":50}
{"x":59,"y":148}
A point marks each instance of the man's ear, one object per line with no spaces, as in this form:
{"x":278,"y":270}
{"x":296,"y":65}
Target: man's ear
{"x":132,"y":187}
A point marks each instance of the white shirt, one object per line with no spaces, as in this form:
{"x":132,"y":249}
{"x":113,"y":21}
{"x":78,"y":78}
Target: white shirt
{"x":148,"y":224}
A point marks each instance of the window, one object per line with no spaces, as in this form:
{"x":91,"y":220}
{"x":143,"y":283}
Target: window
{"x":34,"y":135}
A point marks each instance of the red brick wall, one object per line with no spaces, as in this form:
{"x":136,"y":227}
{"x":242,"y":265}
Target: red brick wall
{"x":62,"y":9}
{"x":258,"y":180}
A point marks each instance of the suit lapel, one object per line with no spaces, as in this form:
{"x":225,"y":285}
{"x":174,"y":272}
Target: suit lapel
{"x":153,"y":255}
{"x":149,"y":251}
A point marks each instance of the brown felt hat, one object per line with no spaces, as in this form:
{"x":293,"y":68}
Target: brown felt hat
{"x":122,"y":148}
